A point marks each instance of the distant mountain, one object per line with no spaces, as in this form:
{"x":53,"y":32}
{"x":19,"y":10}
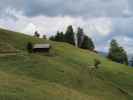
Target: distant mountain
{"x":129,"y":58}
{"x":103,"y":53}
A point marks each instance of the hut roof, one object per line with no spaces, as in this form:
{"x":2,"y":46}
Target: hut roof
{"x":41,"y":46}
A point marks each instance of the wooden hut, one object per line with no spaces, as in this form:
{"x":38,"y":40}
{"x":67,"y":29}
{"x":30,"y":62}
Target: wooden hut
{"x":41,"y":47}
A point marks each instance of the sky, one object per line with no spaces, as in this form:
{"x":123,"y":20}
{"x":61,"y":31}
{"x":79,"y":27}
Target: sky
{"x":102,"y":20}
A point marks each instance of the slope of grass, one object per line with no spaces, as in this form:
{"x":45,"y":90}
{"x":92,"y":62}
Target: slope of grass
{"x":61,"y":75}
{"x":6,"y":48}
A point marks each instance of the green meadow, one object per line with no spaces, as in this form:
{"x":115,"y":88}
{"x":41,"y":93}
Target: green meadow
{"x":62,"y":74}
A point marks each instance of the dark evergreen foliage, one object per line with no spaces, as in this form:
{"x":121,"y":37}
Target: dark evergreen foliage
{"x":80,"y":37}
{"x":29,"y":47}
{"x":69,"y":35}
{"x":117,"y":53}
{"x":58,"y":37}
{"x":44,"y":37}
{"x":87,"y":43}
{"x":83,"y":41}
{"x":36,"y":34}
{"x":52,"y":38}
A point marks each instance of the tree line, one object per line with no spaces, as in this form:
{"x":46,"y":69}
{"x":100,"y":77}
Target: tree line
{"x":81,"y":40}
{"x":78,"y":39}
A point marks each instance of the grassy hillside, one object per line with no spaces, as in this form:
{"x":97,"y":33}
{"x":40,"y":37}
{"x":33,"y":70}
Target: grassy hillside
{"x":61,"y":75}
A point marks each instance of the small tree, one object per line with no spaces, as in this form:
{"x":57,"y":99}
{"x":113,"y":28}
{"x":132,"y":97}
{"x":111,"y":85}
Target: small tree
{"x":97,"y":63}
{"x":117,"y":53}
{"x":29,"y":47}
{"x":44,"y":37}
{"x":36,"y":34}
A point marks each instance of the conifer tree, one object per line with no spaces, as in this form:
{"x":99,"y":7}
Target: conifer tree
{"x":69,"y":35}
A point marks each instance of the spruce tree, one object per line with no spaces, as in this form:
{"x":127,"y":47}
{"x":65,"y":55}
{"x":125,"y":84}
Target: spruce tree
{"x":80,"y":37}
{"x":59,"y":36}
{"x":52,"y":38}
{"x":69,"y":35}
{"x":87,"y":43}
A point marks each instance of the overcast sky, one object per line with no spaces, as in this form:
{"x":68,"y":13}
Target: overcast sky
{"x":101,"y":19}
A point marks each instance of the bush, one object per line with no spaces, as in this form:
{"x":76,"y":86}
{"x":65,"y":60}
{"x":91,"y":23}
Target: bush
{"x":29,"y":47}
{"x":97,"y":62}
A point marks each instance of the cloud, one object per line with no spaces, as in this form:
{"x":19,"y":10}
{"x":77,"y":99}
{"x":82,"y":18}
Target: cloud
{"x":101,"y":26}
{"x":29,"y":29}
{"x":86,"y":8}
{"x":92,"y":26}
{"x":102,"y":20}
{"x":123,"y":26}
{"x":97,"y":28}
{"x":125,"y":42}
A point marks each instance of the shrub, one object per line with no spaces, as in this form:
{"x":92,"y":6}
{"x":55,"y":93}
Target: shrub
{"x":97,"y":62}
{"x":29,"y":47}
